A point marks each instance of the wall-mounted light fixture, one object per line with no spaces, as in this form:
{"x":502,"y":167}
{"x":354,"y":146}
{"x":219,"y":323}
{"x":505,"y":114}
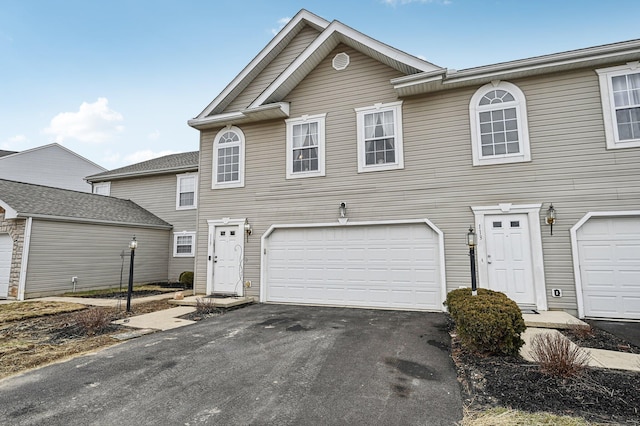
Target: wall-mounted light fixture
{"x":551,"y":217}
{"x":247,"y":229}
{"x":343,"y":210}
{"x":471,"y":242}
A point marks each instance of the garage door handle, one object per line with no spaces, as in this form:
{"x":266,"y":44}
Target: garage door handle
{"x":489,"y":258}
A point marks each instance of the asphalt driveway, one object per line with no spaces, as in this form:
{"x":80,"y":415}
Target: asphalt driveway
{"x":263,"y":364}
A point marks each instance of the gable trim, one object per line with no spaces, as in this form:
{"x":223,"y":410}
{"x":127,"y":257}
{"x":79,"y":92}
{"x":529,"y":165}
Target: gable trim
{"x":336,"y":33}
{"x":265,"y":56}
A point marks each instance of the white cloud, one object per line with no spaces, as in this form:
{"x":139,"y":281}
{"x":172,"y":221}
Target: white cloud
{"x":424,"y":58}
{"x":94,"y":123}
{"x":145,"y":155}
{"x":281,"y":23}
{"x":10,"y":144}
{"x":154,"y":135}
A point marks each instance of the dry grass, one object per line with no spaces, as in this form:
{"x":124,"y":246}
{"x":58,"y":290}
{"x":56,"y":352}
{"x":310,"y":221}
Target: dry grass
{"x":205,"y":306}
{"x":558,"y":356}
{"x":23,"y":310}
{"x":117,"y":290}
{"x":507,"y":417}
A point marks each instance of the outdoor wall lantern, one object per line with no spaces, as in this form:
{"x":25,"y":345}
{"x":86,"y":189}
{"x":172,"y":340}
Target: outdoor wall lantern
{"x":343,"y":210}
{"x":471,"y":242}
{"x":133,"y":245}
{"x":551,"y":217}
{"x":247,"y":229}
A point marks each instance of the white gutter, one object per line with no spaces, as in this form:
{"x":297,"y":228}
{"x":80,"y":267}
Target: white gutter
{"x":95,"y":221}
{"x":269,"y":111}
{"x":116,"y":176}
{"x":25,"y":258}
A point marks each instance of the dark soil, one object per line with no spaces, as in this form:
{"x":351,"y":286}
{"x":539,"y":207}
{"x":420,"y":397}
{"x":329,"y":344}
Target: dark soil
{"x":597,"y":338}
{"x":598,"y":395}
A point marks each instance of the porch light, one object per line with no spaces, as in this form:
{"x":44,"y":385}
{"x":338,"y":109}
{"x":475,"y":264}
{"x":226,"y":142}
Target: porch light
{"x":471,"y":242}
{"x":343,"y":210}
{"x":247,"y":229}
{"x":133,"y":245}
{"x":551,"y":217}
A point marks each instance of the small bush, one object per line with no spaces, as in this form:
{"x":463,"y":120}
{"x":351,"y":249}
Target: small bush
{"x":93,"y":321}
{"x":488,"y":323}
{"x":186,"y":279}
{"x":557,"y":356}
{"x":580,"y":331}
{"x":205,"y":306}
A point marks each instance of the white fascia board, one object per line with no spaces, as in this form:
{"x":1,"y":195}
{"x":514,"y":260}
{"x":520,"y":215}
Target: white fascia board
{"x":116,"y":176}
{"x":293,"y":25}
{"x":9,"y":213}
{"x":594,"y":56}
{"x":95,"y":221}
{"x":338,"y":32}
{"x":263,"y":112}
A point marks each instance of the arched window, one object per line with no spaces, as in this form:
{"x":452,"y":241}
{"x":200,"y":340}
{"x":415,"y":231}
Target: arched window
{"x":499,"y":131}
{"x":228,"y":158}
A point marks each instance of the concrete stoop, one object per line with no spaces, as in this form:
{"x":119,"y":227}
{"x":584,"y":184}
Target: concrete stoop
{"x":549,"y":322}
{"x":220,"y":302}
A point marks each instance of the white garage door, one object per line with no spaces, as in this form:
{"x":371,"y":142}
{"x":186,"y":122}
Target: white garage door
{"x":6,"y":247}
{"x":379,"y":266}
{"x":609,"y":256}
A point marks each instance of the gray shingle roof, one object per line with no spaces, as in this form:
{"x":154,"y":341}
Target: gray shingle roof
{"x":44,"y":201}
{"x":4,"y":153}
{"x":184,"y":161}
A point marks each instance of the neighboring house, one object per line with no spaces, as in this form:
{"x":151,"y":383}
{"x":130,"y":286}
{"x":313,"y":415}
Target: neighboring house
{"x":55,"y":240}
{"x":167,"y":187}
{"x":326,"y":115}
{"x":49,"y":165}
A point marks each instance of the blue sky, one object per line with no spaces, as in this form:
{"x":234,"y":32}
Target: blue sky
{"x":116,"y":81}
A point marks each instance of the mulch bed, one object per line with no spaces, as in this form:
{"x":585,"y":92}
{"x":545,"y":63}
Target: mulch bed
{"x":597,"y":338}
{"x":598,"y":395}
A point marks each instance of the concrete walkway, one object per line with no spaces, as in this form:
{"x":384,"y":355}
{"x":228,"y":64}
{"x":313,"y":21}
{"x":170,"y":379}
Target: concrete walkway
{"x":550,"y":321}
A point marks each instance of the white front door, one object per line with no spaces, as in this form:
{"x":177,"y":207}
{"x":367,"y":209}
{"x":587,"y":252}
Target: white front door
{"x":227,"y":259}
{"x":509,"y":261}
{"x":6,"y":248}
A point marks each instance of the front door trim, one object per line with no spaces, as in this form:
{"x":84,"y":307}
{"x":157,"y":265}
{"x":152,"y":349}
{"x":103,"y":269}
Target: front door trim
{"x":533,"y":215}
{"x":213,"y":223}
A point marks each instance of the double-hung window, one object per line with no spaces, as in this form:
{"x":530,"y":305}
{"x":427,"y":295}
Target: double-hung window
{"x":620,"y":92}
{"x":499,"y":131}
{"x":186,"y":191}
{"x":305,"y":146}
{"x":380,"y":137}
{"x":228,"y":158}
{"x":184,"y":244}
{"x":102,"y":188}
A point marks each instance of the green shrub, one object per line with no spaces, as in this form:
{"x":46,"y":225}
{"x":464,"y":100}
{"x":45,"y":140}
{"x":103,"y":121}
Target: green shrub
{"x":487,"y":323}
{"x":186,"y":279}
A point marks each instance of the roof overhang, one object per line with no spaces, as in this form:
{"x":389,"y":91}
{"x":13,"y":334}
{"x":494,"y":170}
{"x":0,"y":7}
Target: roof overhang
{"x":266,"y":55}
{"x":249,"y":115}
{"x":115,"y":176}
{"x":91,"y":221}
{"x":333,"y":35}
{"x":447,"y":79}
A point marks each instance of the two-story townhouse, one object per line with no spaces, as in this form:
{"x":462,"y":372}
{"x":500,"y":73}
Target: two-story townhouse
{"x":49,"y":165}
{"x":337,"y":170}
{"x":167,"y":187}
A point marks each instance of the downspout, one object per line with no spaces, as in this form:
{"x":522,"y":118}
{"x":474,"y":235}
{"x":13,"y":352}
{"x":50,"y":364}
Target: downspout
{"x":25,"y":258}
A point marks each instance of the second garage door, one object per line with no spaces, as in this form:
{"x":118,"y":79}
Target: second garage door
{"x":609,"y":256}
{"x":380,"y":266}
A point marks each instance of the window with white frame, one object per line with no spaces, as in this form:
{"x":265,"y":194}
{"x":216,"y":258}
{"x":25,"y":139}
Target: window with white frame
{"x":228,"y":158}
{"x":305,"y":146}
{"x":380,"y":137}
{"x":620,"y":93}
{"x":102,"y":188}
{"x":184,"y":244}
{"x":499,"y":129}
{"x":186,"y":191}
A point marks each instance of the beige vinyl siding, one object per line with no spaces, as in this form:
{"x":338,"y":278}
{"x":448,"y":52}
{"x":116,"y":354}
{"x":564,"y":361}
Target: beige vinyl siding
{"x":275,"y":68}
{"x":570,"y":167}
{"x":61,"y":250}
{"x":157,"y":194}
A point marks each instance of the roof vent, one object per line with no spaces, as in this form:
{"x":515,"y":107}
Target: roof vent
{"x":340,"y":61}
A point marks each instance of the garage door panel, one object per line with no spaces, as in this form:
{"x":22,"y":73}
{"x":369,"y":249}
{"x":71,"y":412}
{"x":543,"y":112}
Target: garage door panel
{"x":387,"y":266}
{"x":609,"y":257}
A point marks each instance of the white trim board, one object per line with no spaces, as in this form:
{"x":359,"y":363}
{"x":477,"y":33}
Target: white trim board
{"x":213,"y":223}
